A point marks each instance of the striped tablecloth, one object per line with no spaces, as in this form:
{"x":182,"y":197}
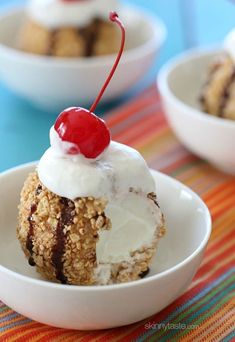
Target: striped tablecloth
{"x":206,"y":312}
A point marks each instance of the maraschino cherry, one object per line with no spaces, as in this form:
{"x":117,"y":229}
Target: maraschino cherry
{"x":81,"y":127}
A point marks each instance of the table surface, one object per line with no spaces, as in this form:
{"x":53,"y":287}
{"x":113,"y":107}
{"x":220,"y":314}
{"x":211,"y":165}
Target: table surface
{"x":205,"y":312}
{"x":189,"y":23}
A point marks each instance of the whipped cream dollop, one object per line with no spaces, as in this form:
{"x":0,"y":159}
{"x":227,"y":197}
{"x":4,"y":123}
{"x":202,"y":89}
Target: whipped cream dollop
{"x":119,"y":174}
{"x":58,"y":13}
{"x":229,"y":44}
{"x":116,"y":171}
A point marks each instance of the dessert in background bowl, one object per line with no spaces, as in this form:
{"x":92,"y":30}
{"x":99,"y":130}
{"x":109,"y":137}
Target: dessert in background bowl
{"x":65,"y":28}
{"x":180,"y":83}
{"x":54,"y":83}
{"x":218,"y":93}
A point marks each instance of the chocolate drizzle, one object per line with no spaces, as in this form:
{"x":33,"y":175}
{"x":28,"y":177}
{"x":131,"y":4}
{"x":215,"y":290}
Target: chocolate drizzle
{"x":38,"y":190}
{"x":67,"y":214}
{"x":29,"y":241}
{"x":152,"y":196}
{"x":90,"y":36}
{"x":202,"y":97}
{"x":144,"y":274}
{"x":226,"y":94}
{"x":51,"y":45}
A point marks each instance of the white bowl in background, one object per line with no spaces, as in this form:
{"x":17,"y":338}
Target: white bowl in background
{"x":55,"y":83}
{"x":179,"y":82}
{"x":99,"y":307}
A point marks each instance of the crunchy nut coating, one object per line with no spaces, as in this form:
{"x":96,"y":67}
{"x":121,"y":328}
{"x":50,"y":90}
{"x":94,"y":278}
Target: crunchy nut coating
{"x":59,"y":237}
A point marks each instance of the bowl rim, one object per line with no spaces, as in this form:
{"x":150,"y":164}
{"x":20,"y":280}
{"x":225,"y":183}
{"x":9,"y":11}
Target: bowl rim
{"x":142,"y":50}
{"x":122,"y":286}
{"x":167,"y":93}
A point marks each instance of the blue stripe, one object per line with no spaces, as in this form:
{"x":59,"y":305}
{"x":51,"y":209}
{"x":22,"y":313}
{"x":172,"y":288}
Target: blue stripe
{"x":187,"y":304}
{"x":229,"y":337}
{"x":15,"y":324}
{"x":9,"y":317}
{"x":3,"y":308}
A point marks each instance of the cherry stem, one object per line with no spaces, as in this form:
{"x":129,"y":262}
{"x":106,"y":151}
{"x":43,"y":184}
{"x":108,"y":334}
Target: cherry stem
{"x":113,"y":17}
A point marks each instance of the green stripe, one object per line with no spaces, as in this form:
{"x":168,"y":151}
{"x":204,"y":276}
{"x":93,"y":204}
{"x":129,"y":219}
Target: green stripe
{"x":199,"y":303}
{"x":4,"y":308}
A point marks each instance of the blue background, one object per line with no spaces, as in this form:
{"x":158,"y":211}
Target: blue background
{"x":24,"y":129}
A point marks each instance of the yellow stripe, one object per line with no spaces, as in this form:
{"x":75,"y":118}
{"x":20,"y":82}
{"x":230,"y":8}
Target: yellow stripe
{"x":217,"y":229}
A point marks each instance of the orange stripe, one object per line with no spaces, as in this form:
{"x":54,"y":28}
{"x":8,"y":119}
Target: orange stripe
{"x":219,"y":210}
{"x":129,"y":110}
{"x":218,"y":189}
{"x":173,"y":155}
{"x":14,"y":331}
{"x":211,"y":256}
{"x":153,"y":143}
{"x":212,"y":263}
{"x":179,"y":163}
{"x":28,"y":333}
{"x":223,"y":239}
{"x":74,"y":338}
{"x":53,"y":335}
{"x":144,"y":126}
{"x":214,"y":323}
{"x":225,"y":194}
{"x":134,"y":137}
{"x":211,"y":270}
{"x":218,"y":207}
{"x":223,"y":221}
{"x":216,"y":233}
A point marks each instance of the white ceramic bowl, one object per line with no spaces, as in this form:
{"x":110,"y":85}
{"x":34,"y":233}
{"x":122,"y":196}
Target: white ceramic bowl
{"x":55,"y":83}
{"x":98,"y":307}
{"x":180,"y":82}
